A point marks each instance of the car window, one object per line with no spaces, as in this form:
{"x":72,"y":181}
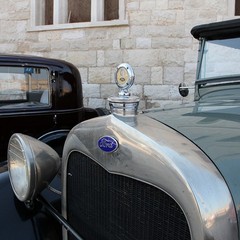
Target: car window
{"x":220,"y":58}
{"x":23,"y":87}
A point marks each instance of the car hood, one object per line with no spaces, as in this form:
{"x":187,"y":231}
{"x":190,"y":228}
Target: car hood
{"x":215,"y":129}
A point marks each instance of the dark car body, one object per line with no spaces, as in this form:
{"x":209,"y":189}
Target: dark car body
{"x":19,"y":221}
{"x":169,"y":173}
{"x":40,"y":97}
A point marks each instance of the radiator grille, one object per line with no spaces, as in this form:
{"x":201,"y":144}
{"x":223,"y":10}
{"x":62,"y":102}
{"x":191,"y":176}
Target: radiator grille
{"x":108,"y":206}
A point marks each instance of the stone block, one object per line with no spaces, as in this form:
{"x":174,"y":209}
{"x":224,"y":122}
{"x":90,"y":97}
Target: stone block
{"x":173,"y":75}
{"x":97,"y":103}
{"x":40,"y":47}
{"x":116,"y":44}
{"x":82,"y":58}
{"x":140,"y":18}
{"x":84,"y":74}
{"x":132,"y":5}
{"x":143,"y":42}
{"x":175,"y":4}
{"x":78,"y":44}
{"x":147,"y":5}
{"x":128,"y":43}
{"x":108,"y":90}
{"x":157,"y":92}
{"x":157,"y":75}
{"x":91,"y":90}
{"x":8,"y":47}
{"x":100,"y":58}
{"x":60,"y":45}
{"x":172,"y":57}
{"x":113,"y":57}
{"x":171,"y":42}
{"x":100,"y":44}
{"x":142,"y":75}
{"x":57,"y":55}
{"x":99,"y":75}
{"x":139,"y":31}
{"x":49,"y":36}
{"x":137,"y":89}
{"x":23,"y":47}
{"x":163,"y":18}
{"x":141,"y":57}
{"x":74,"y":34}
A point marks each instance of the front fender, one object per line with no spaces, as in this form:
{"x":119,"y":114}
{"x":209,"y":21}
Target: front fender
{"x":18,"y":222}
{"x":55,"y":139}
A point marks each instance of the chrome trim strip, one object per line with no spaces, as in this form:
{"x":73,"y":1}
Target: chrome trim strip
{"x":151,"y":152}
{"x":30,"y":111}
{"x":60,"y":131}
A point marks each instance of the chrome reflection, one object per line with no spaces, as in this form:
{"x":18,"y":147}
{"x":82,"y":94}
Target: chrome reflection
{"x":32,"y":165}
{"x":151,"y":152}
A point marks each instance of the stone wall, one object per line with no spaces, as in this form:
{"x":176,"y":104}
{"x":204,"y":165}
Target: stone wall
{"x":156,"y":42}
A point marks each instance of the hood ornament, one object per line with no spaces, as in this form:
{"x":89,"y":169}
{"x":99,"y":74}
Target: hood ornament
{"x":124,"y":104}
{"x":124,"y":78}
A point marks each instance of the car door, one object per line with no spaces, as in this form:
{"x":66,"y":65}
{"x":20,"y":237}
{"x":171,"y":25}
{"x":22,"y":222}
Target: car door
{"x":25,"y":102}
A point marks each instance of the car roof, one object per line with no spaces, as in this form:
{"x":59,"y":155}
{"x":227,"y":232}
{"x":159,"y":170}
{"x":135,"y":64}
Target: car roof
{"x":217,"y":30}
{"x":14,"y":58}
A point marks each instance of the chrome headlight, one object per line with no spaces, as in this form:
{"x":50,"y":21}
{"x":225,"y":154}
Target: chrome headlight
{"x":32,"y":165}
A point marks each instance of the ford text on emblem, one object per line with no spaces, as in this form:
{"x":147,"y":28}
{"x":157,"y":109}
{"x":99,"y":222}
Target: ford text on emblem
{"x":108,"y":144}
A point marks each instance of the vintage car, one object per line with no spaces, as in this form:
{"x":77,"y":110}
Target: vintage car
{"x":39,"y":97}
{"x":168,"y":174}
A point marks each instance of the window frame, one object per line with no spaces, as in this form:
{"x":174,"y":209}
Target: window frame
{"x":237,"y":8}
{"x":60,"y":18}
{"x":26,"y":84}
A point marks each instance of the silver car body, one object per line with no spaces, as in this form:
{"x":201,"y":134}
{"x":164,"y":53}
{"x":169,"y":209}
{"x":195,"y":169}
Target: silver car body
{"x":156,"y":154}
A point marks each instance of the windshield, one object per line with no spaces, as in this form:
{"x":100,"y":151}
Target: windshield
{"x":220,"y":58}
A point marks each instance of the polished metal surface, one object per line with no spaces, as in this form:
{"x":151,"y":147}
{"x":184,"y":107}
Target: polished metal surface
{"x":124,"y":77}
{"x":21,"y":173}
{"x":32,"y":165}
{"x":124,"y":104}
{"x":151,"y":152}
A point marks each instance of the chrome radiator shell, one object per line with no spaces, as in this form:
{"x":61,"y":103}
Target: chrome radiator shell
{"x":155,"y":154}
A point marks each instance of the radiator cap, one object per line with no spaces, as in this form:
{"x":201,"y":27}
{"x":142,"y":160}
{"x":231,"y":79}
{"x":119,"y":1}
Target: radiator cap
{"x":124,"y":104}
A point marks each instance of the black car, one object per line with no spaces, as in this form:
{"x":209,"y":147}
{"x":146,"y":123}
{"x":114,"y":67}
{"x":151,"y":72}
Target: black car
{"x":167,"y":174}
{"x":39,"y":97}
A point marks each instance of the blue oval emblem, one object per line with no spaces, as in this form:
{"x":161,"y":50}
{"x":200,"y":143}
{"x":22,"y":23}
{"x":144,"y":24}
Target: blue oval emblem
{"x":108,"y":144}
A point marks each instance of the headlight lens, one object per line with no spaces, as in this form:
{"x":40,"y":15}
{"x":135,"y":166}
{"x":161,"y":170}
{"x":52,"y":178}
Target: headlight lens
{"x":19,"y":169}
{"x":32,"y":165}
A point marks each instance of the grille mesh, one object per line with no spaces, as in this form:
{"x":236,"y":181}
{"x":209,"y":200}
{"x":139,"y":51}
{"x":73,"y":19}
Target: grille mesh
{"x":108,"y":206}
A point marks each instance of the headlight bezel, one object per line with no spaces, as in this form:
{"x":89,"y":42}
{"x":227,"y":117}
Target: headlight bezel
{"x":32,"y":165}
